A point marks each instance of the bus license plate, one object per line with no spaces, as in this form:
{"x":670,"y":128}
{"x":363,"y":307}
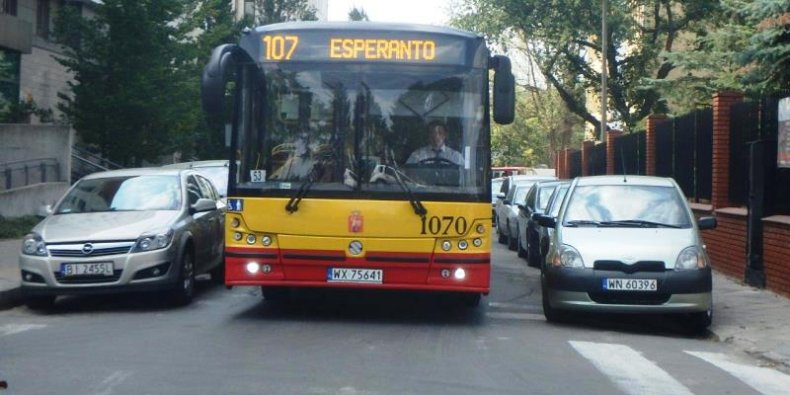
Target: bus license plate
{"x":349,"y":275}
{"x":626,"y":284}
{"x":86,"y":269}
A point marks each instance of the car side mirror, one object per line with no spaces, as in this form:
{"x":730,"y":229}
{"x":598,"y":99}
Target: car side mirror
{"x":545,"y":220}
{"x":203,"y":205}
{"x":44,"y":210}
{"x":521,"y":206}
{"x":707,"y":223}
{"x":500,"y":195}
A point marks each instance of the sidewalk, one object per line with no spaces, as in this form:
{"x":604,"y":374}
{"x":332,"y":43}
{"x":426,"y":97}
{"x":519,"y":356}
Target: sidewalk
{"x":754,"y":320}
{"x":9,"y":273}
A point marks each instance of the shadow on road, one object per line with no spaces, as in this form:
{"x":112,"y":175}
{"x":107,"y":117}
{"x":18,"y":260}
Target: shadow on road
{"x":123,"y":302}
{"x":358,"y":306}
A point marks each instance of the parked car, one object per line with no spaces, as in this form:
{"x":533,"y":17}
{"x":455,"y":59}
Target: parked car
{"x":505,"y":196}
{"x":552,"y":210}
{"x":147,"y":229}
{"x":511,"y":224}
{"x":496,"y":185}
{"x":215,"y":170}
{"x":627,"y":244}
{"x":527,"y":232}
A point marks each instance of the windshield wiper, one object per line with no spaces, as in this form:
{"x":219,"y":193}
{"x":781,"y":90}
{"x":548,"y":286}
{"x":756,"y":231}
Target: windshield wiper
{"x":312,"y":176}
{"x":639,"y":223}
{"x":416,"y":204}
{"x":582,"y":222}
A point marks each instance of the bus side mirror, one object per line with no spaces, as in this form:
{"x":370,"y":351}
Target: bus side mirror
{"x":504,"y":90}
{"x":214,"y":79}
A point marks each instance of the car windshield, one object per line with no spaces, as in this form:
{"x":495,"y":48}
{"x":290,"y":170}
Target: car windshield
{"x":128,"y":193}
{"x":557,"y":202}
{"x":521,"y":194}
{"x":496,"y":185}
{"x":544,"y":193}
{"x":593,"y":204}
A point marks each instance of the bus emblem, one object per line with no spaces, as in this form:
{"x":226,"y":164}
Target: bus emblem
{"x":355,"y":222}
{"x":355,"y":247}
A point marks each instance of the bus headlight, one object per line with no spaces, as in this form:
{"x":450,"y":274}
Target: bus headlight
{"x":251,"y":239}
{"x":253,"y":267}
{"x":462,"y":245}
{"x":459,"y":274}
{"x":446,"y":245}
{"x":237,"y":236}
{"x":266,"y":240}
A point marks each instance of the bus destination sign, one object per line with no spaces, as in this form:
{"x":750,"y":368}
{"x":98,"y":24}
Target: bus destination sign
{"x":310,"y":46}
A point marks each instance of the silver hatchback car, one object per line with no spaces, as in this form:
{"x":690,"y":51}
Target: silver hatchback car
{"x":627,"y":244}
{"x":126,"y":230}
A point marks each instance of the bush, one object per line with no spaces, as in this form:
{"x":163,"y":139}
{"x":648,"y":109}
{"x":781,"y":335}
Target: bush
{"x":14,"y":228}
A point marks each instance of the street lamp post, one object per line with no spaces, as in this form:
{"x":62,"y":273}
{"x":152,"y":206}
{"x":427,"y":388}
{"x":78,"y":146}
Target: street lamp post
{"x":603,"y":70}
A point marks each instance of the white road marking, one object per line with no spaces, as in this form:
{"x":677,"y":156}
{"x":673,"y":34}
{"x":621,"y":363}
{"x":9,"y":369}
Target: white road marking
{"x":11,"y":329}
{"x":764,"y":380}
{"x":629,"y":370}
{"x":106,"y":387}
{"x":515,"y":316}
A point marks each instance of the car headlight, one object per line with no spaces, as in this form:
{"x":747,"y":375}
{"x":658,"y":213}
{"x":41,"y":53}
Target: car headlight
{"x":33,"y":244}
{"x":691,"y":258}
{"x":151,"y":241}
{"x":569,"y":257}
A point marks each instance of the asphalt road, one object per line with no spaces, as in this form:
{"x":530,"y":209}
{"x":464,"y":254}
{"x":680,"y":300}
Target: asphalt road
{"x":231,"y":342}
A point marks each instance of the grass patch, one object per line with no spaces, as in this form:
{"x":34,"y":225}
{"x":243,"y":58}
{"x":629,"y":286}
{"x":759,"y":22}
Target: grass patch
{"x":15,"y":228}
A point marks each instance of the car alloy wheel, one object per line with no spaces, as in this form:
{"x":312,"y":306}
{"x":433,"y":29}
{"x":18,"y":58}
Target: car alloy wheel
{"x":184,"y":289}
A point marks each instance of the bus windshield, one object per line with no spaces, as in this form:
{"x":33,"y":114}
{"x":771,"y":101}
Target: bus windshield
{"x":363,"y":129}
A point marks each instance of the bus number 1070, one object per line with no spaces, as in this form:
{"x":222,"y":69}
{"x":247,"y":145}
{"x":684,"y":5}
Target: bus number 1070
{"x":443,"y":225}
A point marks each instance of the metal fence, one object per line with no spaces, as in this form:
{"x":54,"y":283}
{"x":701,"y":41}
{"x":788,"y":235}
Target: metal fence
{"x":754,"y":121}
{"x":629,"y":153}
{"x":596,"y":165}
{"x":21,"y":173}
{"x":575,"y":164}
{"x":684,"y":152}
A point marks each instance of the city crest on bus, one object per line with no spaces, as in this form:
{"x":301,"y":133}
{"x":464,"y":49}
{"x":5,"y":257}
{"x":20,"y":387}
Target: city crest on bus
{"x":355,"y":222}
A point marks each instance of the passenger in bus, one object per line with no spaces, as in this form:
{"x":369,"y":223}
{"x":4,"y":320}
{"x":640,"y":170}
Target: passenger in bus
{"x":436,"y":151}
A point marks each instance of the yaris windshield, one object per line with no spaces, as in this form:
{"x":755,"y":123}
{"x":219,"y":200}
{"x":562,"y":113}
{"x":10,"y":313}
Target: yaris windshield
{"x":626,"y":205}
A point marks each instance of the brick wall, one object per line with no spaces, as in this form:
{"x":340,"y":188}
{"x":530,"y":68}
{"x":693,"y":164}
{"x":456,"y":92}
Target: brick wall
{"x":726,"y":244}
{"x":776,"y":253}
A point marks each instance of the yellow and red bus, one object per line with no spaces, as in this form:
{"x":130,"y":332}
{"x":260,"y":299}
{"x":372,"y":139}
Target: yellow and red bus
{"x":323,"y":119}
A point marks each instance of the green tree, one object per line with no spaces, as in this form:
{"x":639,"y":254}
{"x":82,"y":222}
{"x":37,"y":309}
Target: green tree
{"x":125,"y":97}
{"x":358,"y":15}
{"x":209,"y":23}
{"x":747,"y":48}
{"x":563,"y":38}
{"x":274,"y":11}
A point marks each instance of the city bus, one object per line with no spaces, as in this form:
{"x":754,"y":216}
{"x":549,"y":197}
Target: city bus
{"x":321,"y":119}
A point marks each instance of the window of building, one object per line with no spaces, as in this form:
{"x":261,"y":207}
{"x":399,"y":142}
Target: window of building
{"x":9,"y":77}
{"x":42,"y":18}
{"x":8,"y":7}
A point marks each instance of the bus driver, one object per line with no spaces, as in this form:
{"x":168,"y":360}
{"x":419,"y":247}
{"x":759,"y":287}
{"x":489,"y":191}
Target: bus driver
{"x":436,"y":149}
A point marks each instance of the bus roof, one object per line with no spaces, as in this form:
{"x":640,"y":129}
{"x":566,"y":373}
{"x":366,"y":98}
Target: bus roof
{"x":366,"y":27}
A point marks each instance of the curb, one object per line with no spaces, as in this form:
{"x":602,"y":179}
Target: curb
{"x":10,"y":298}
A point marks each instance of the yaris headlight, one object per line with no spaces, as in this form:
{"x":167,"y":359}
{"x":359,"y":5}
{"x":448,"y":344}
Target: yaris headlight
{"x":569,"y":257}
{"x":691,"y":258}
{"x":155,"y":240}
{"x":33,"y":244}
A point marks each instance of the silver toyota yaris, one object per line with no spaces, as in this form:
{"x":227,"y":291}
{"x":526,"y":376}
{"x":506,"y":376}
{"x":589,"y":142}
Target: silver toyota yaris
{"x":145,"y":229}
{"x":627,"y":244}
